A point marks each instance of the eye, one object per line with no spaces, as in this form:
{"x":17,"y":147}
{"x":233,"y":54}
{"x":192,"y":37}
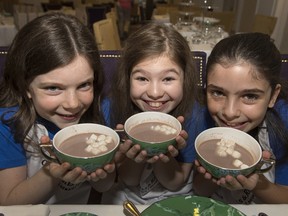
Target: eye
{"x":52,"y":88}
{"x":141,"y":78}
{"x":250,"y":98}
{"x":168,"y":79}
{"x":216,"y":93}
{"x":86,"y":86}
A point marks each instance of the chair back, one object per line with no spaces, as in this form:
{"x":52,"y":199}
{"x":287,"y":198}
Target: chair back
{"x":264,"y":24}
{"x":109,"y":60}
{"x":199,"y":58}
{"x":3,"y":53}
{"x":226,"y":19}
{"x":106,"y":37}
{"x":94,"y":14}
{"x":284,"y":66}
{"x":113,"y":16}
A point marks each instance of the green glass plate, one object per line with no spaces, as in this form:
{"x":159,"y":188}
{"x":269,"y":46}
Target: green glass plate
{"x":190,"y":206}
{"x":78,"y":214}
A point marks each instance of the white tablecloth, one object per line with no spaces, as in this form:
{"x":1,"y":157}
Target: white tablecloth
{"x":195,"y":34}
{"x":117,"y":210}
{"x":8,"y":30}
{"x":196,"y":37}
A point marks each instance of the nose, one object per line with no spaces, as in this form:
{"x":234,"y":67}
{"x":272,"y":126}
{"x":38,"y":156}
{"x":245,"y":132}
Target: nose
{"x":231,"y":109}
{"x":155,"y":90}
{"x":71,"y":100}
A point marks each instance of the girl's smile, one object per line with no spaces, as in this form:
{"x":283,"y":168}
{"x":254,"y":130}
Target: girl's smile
{"x":156,"y":84}
{"x":242,"y":102}
{"x":61,"y":97}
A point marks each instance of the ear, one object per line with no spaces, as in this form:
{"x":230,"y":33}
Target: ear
{"x":29,"y":94}
{"x":274,"y":96}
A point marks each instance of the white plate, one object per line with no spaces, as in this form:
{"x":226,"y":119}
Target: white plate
{"x":210,"y":20}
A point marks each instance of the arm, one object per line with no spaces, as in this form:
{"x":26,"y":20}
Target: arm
{"x":202,"y":182}
{"x":172,"y":175}
{"x":270,"y":193}
{"x":19,"y":189}
{"x":103,"y":179}
{"x":16,"y":188}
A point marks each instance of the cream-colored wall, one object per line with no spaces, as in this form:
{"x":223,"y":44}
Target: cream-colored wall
{"x":246,"y":9}
{"x":280,"y":33}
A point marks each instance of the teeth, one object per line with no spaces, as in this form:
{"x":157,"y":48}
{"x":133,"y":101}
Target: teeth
{"x":233,"y":125}
{"x":155,"y":104}
{"x":67,"y":115}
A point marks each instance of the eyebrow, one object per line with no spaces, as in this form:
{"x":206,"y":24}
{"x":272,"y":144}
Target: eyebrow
{"x":254,"y":90}
{"x":166,"y":70}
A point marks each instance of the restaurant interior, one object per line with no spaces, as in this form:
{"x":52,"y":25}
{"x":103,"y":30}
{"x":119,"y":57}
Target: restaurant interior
{"x":202,"y":22}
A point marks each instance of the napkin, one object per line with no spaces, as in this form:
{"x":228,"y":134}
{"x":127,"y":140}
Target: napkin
{"x":25,"y":210}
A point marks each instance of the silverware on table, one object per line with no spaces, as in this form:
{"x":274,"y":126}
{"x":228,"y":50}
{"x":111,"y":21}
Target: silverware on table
{"x":130,"y":208}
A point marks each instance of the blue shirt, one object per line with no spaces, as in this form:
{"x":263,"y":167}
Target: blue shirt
{"x":12,"y":153}
{"x":202,"y":120}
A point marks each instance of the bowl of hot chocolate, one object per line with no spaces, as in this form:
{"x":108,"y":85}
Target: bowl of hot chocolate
{"x":226,"y":151}
{"x":153,"y":131}
{"x":86,"y":145}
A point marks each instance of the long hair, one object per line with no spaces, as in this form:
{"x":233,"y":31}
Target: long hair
{"x":258,"y":50}
{"x":152,"y":40}
{"x":44,"y":44}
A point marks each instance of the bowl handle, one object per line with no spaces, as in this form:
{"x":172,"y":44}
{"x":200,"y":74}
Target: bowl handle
{"x":269,"y":162}
{"x":48,"y":154}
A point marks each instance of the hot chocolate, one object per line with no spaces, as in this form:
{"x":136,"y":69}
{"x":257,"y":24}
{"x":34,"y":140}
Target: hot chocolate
{"x":226,"y":153}
{"x":87,"y":145}
{"x":153,"y":132}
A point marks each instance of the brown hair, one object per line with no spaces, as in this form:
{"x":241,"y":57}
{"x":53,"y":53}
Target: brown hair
{"x":44,"y":44}
{"x":151,"y":40}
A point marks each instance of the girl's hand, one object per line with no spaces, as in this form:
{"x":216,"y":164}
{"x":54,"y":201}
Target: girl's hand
{"x":234,"y":183}
{"x":63,"y":172}
{"x":101,"y":173}
{"x":242,"y":182}
{"x":202,"y":170}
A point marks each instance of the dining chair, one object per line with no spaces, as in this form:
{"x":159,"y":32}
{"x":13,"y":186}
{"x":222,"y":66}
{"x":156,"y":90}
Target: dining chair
{"x":199,"y":58}
{"x":226,"y":20}
{"x":110,"y":58}
{"x":284,"y":66}
{"x":3,"y":53}
{"x":264,"y":24}
{"x":109,"y":61}
{"x":174,"y":15}
{"x":94,"y":14}
{"x":49,"y":6}
{"x":161,"y":9}
{"x":113,"y":16}
{"x":106,"y":37}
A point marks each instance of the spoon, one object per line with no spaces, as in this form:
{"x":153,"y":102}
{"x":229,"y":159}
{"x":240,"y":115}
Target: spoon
{"x":131,"y":208}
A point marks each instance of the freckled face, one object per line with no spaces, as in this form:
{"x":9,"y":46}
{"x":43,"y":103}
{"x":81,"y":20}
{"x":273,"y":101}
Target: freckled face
{"x":63,"y":95}
{"x":237,"y":98}
{"x":156,"y":84}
